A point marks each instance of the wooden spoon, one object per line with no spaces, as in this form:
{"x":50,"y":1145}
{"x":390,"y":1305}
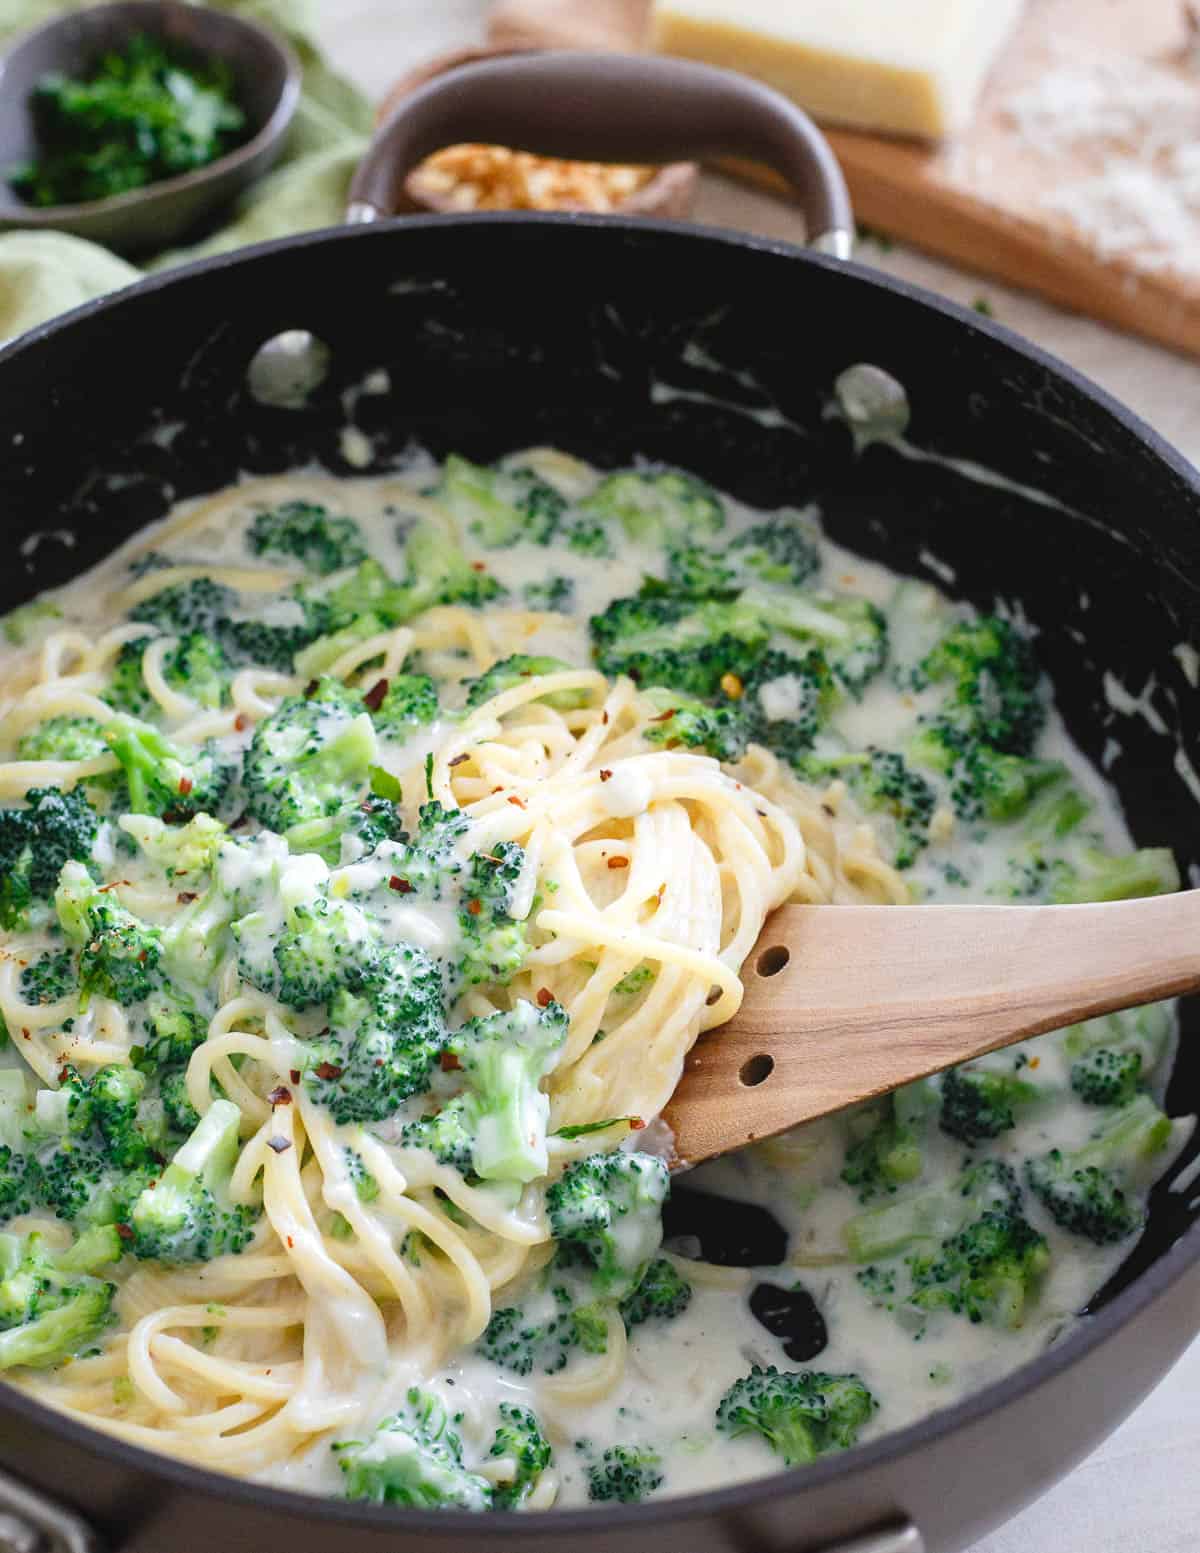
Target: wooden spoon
{"x":845,"y":1003}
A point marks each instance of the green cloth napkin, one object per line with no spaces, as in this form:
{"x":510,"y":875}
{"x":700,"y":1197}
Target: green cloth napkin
{"x":45,"y":273}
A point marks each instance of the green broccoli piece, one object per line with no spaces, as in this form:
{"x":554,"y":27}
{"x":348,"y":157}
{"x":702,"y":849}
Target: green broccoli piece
{"x":186,"y":1215}
{"x":656,"y":509}
{"x":994,"y":683}
{"x":978,"y":1104}
{"x":986,"y":1272}
{"x":63,"y":738}
{"x":543,"y":1332}
{"x":309,"y":758}
{"x":933,"y":1214}
{"x":633,"y":982}
{"x":694,"y":569}
{"x":668,"y":639}
{"x":164,"y":779}
{"x":589,"y":536}
{"x":882,"y":783}
{"x":1107,"y":1078}
{"x":852,"y":633}
{"x":606,"y":1213}
{"x":500,"y":507}
{"x":503,"y":1057}
{"x":408,"y":702}
{"x":50,"y":1304}
{"x":181,"y":851}
{"x":721,"y":731}
{"x":114,"y":1096}
{"x":787,"y":701}
{"x":781,"y":550}
{"x":1101,"y":877}
{"x":28,"y":621}
{"x":1146,"y":1031}
{"x":509,"y":672}
{"x":414,"y":1458}
{"x":181,"y":1115}
{"x":35,"y":842}
{"x":200,"y":607}
{"x":519,"y":1440}
{"x":305,"y":530}
{"x":385,"y":1036}
{"x":985,"y":782}
{"x":626,"y":1473}
{"x":350,"y":833}
{"x":662,"y":1295}
{"x":196,"y":666}
{"x":447,"y":1135}
{"x":493,"y":943}
{"x":1089,"y":1192}
{"x":324,"y":947}
{"x":801,"y":1414}
{"x":119,"y":953}
{"x":889,"y":1155}
{"x":50,"y":978}
{"x":555,"y":595}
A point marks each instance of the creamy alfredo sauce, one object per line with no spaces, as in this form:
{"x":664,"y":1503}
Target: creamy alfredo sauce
{"x":677,"y":1371}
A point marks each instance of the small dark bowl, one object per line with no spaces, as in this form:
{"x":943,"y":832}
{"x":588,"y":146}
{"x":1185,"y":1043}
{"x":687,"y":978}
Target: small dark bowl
{"x":266,"y":77}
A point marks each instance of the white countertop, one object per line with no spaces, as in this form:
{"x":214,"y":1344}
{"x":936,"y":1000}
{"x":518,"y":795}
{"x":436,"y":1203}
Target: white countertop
{"x":1140,"y":1492}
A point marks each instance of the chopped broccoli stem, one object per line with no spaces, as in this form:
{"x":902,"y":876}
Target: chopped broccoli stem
{"x":187,"y":1214}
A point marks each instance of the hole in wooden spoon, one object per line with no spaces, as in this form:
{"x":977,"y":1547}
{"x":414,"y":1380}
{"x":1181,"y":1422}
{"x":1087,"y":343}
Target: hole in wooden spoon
{"x":755,"y":1069}
{"x":773,"y":960}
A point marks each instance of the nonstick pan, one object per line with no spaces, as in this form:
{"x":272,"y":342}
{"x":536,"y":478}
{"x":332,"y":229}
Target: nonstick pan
{"x":1017,"y":479}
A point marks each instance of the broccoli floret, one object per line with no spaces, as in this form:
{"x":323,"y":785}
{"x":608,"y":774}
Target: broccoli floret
{"x":669,"y":639}
{"x":554,"y":595}
{"x":119,"y":953}
{"x":63,"y":738}
{"x":503,"y":1057}
{"x":200,"y":607}
{"x":983,"y":781}
{"x":187,"y":1215}
{"x":115,"y":1094}
{"x":606,"y":1214}
{"x":25,"y":623}
{"x":50,"y":1305}
{"x":993,"y":678}
{"x":1145,"y":1031}
{"x":1089,"y":1192}
{"x":181,"y":1115}
{"x":309,"y":758}
{"x":783,"y":550}
{"x":54,"y":828}
{"x":127,"y":690}
{"x":662,"y":1295}
{"x":500,"y":507}
{"x":1101,"y":877}
{"x":78,"y":1179}
{"x":164,"y":779}
{"x":933,"y":1214}
{"x":322,"y":544}
{"x":439,"y":573}
{"x":1106,"y":1077}
{"x":722,"y":731}
{"x":50,"y":978}
{"x":509,"y":672}
{"x":978,"y":1104}
{"x":519,"y":1440}
{"x":385,"y":1036}
{"x":181,"y":851}
{"x":543,"y":1332}
{"x":691,"y":568}
{"x":323,"y":946}
{"x":987,"y":1272}
{"x":352,"y":832}
{"x":852,"y":633}
{"x":446,"y":1135}
{"x":493,"y":942}
{"x":626,"y":1473}
{"x":414,"y":1458}
{"x":277,"y":647}
{"x":656,"y":509}
{"x":801,"y":1414}
{"x":882,"y":783}
{"x":589,"y":536}
{"x":886,"y":1157}
{"x":408,"y":702}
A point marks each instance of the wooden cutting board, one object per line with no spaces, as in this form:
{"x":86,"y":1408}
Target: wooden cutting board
{"x":1080,"y":178}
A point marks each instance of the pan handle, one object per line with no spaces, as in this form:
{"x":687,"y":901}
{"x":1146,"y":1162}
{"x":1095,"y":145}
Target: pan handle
{"x":614,"y":108}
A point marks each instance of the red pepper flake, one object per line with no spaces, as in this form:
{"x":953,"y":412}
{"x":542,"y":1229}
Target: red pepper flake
{"x":115,"y":885}
{"x":125,"y":1231}
{"x":478,"y":566}
{"x":294,"y":1075}
{"x":64,"y":1073}
{"x":239,"y":822}
{"x":24,"y":1034}
{"x":458,"y":760}
{"x":401,"y":886}
{"x":606,"y":775}
{"x":144,"y":956}
{"x":185,"y":786}
{"x":520,"y":802}
{"x":373,"y":699}
{"x":448,"y":1062}
{"x":290,"y":1242}
{"x":636,"y":1123}
{"x":175,"y":816}
{"x":241,"y":722}
{"x":279,"y":1145}
{"x":497,"y":789}
{"x":673,"y":744}
{"x":280,"y":1095}
{"x":828,"y":809}
{"x":604,"y":718}
{"x":544,"y":997}
{"x":311,"y":689}
{"x":665,"y":716}
{"x":474,"y":907}
{"x":329,"y":1070}
{"x":186,"y":897}
{"x":618,"y":862}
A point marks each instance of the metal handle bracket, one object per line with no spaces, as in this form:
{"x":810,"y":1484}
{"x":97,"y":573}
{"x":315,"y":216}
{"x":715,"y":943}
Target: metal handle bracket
{"x":32,"y":1523}
{"x":895,"y":1537}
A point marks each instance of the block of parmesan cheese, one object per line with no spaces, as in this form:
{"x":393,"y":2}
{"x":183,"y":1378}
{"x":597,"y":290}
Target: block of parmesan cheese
{"x":903,"y":67}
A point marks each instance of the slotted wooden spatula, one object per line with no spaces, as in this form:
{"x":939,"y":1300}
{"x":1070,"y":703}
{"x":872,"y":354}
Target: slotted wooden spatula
{"x":847,"y":1002}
